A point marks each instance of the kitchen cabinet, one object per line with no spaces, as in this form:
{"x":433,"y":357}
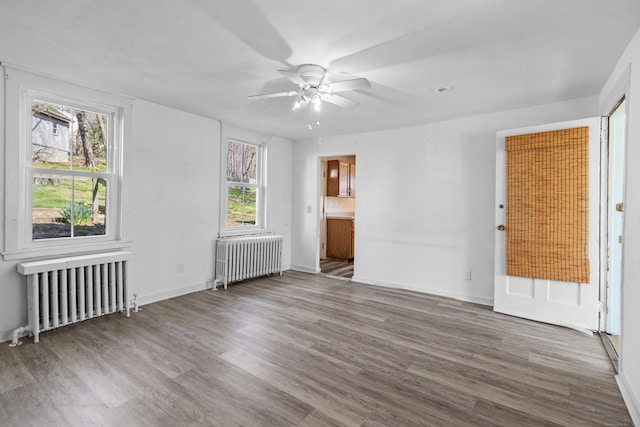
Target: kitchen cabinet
{"x":341,"y":179}
{"x":340,"y":233}
{"x":352,"y":180}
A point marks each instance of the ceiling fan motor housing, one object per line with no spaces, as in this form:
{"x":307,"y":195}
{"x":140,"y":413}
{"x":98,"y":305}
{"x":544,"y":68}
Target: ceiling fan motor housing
{"x":311,"y":73}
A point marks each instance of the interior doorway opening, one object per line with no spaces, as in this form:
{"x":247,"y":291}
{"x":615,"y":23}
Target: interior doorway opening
{"x":337,"y":226}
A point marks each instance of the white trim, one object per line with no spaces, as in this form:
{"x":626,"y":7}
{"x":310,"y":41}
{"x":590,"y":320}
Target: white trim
{"x":67,"y":250}
{"x":150,"y":298}
{"x":3,"y":149}
{"x":618,"y":90}
{"x":244,"y":231}
{"x":438,"y":292}
{"x":603,"y":226}
{"x":304,"y":269}
{"x":112,"y":174}
{"x":630,"y":398}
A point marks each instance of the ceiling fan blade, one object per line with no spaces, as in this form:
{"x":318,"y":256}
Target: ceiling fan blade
{"x":272,"y":95}
{"x":245,"y":20}
{"x":353,"y":84}
{"x":294,"y":77}
{"x":340,"y":101}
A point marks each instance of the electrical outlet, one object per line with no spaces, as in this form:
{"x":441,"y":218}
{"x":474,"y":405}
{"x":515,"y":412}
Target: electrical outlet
{"x":180,"y":268}
{"x":467,"y":275}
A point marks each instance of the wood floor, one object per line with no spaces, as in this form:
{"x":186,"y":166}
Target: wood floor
{"x":334,"y":267}
{"x":309,"y":350}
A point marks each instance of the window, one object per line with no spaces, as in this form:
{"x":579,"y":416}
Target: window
{"x":244,"y":191}
{"x":70,"y":175}
{"x":65,"y":193}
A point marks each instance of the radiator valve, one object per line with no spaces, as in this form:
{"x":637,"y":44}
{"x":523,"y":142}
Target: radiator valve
{"x":134,"y":303}
{"x":21,"y":331}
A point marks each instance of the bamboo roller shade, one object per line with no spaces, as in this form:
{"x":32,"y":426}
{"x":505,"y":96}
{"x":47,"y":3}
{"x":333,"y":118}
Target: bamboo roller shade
{"x":547,"y":204}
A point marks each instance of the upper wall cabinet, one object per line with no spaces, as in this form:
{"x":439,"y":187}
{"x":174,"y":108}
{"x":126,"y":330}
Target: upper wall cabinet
{"x":341,"y":179}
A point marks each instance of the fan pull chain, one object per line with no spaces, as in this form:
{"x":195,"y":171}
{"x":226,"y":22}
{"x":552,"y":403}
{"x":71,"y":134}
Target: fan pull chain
{"x":313,"y":107}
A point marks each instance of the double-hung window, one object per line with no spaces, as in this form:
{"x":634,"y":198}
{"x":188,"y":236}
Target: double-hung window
{"x":70,"y":172}
{"x":244,"y":187}
{"x":65,"y":160}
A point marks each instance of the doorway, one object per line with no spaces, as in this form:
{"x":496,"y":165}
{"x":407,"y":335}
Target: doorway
{"x":616,"y":135}
{"x":337,"y":223}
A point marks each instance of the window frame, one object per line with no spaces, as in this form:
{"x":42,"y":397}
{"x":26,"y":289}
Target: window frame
{"x":260,"y":224}
{"x":21,"y":88}
{"x":110,"y":175}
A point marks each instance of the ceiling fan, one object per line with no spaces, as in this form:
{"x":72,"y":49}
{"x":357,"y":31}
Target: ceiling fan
{"x":313,"y":90}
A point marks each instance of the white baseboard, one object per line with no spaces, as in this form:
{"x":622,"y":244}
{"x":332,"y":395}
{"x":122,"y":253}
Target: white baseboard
{"x":439,"y":292}
{"x":305,"y":269}
{"x":148,"y":298}
{"x":630,"y":399}
{"x":365,"y":281}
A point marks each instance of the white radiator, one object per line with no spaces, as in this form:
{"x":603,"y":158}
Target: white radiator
{"x":240,"y":258}
{"x":68,"y":290}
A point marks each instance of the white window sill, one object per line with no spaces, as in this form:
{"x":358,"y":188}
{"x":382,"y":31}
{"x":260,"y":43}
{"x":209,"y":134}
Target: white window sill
{"x":66,"y":250}
{"x":244,"y":232}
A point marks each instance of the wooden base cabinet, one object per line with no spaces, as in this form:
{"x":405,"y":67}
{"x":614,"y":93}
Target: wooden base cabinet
{"x":340,"y":238}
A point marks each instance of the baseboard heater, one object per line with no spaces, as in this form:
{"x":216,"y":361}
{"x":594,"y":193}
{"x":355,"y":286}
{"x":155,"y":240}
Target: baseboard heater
{"x":67,"y":290}
{"x":246,"y":257}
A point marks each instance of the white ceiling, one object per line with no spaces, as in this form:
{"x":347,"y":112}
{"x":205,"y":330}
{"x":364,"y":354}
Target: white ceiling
{"x":207,"y":56}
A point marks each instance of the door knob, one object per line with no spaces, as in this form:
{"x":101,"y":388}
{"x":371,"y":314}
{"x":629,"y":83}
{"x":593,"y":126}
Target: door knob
{"x":500,"y":227}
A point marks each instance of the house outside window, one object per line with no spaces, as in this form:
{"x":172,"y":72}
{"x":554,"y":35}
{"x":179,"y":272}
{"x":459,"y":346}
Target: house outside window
{"x":244,"y":187}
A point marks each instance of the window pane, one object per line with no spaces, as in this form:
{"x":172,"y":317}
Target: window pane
{"x":50,"y":196}
{"x":90,"y":148}
{"x":90,"y":197}
{"x":63,"y":137}
{"x":241,"y":206}
{"x":241,"y":162}
{"x":51,"y":135}
{"x":56,"y":214}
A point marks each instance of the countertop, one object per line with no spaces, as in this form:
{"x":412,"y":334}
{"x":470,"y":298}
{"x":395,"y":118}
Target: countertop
{"x":340,"y":215}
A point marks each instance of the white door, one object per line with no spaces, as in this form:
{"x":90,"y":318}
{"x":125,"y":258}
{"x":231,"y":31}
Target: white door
{"x":573,"y":305}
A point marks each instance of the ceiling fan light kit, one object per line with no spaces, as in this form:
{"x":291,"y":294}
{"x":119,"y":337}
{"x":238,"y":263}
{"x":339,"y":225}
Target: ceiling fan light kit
{"x":313,"y":90}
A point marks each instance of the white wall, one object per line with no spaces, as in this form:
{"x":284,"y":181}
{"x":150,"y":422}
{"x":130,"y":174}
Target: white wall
{"x":279,"y":184}
{"x":425,"y":200}
{"x":174,"y":191}
{"x":626,"y":79}
{"x":175,"y":201}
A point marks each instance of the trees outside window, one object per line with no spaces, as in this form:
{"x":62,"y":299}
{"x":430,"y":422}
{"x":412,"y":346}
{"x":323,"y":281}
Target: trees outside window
{"x":243,"y":185}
